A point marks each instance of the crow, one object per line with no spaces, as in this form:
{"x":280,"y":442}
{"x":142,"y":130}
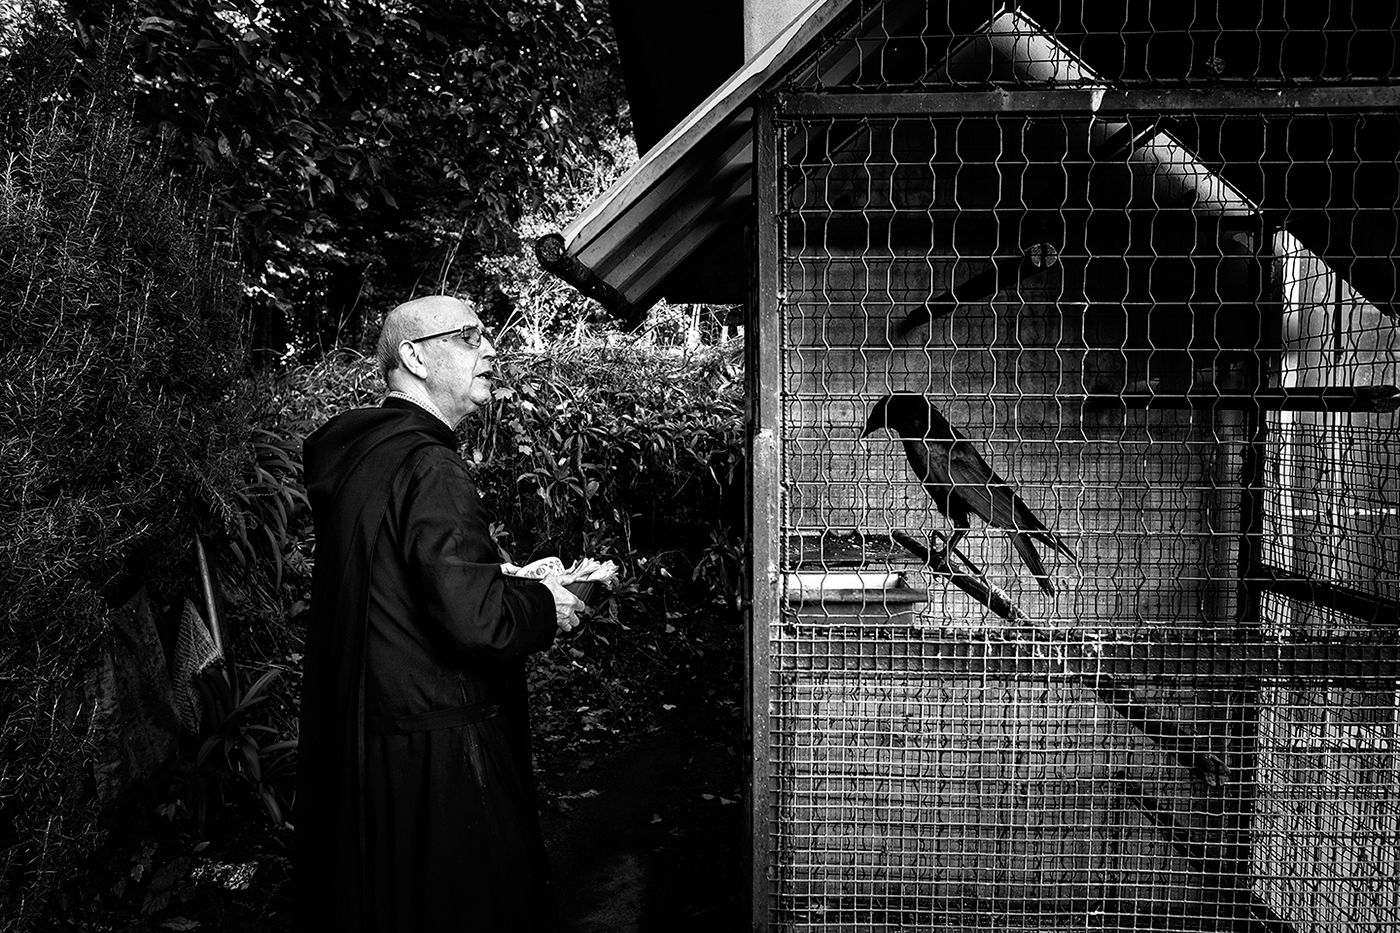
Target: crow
{"x":960,"y":481}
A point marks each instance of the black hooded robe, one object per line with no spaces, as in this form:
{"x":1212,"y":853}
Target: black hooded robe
{"x":415,"y":792}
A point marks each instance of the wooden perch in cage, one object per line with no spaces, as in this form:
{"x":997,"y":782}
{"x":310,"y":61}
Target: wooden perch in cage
{"x":1252,"y":913}
{"x":974,"y":584}
{"x":1172,"y":737}
{"x":983,"y":286}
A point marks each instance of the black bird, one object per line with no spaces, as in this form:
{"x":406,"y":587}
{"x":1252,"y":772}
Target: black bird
{"x":960,"y":481}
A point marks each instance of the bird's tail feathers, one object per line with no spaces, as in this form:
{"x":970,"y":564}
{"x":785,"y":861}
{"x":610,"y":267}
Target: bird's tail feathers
{"x":1055,"y":540}
{"x":1025,"y":546}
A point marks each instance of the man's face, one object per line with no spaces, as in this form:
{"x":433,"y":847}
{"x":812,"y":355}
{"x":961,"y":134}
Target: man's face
{"x":459,"y":376}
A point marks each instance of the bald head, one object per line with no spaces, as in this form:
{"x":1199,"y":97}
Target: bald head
{"x":435,"y":349}
{"x":426,"y":315}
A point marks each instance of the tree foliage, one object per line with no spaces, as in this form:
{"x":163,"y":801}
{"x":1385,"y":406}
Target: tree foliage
{"x":367,"y":144}
{"x":122,"y":344}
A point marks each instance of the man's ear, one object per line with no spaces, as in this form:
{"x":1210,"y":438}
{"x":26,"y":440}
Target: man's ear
{"x":411,"y":361}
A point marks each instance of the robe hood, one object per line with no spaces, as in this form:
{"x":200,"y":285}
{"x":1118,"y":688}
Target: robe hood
{"x":335,"y":451}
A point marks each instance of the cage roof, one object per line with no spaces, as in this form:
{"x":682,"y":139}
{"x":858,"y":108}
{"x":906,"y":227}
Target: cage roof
{"x":1330,"y":180}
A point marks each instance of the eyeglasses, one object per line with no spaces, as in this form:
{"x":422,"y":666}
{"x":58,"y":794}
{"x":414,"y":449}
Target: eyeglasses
{"x":471,"y":334}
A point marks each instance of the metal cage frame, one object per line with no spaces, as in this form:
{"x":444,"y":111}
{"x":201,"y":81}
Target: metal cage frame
{"x":1256,"y":664}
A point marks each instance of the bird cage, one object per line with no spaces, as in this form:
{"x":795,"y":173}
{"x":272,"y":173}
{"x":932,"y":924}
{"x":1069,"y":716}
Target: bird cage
{"x":1076,"y":545}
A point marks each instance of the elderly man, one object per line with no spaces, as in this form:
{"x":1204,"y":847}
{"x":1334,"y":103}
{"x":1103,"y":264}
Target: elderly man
{"x":415,"y":794}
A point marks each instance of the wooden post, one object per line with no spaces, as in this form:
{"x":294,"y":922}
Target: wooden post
{"x":764,"y":374}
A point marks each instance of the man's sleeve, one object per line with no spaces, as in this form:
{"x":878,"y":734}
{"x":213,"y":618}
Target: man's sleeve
{"x":451,"y":557}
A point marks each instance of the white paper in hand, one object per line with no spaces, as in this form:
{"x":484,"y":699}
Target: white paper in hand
{"x":536,"y":570}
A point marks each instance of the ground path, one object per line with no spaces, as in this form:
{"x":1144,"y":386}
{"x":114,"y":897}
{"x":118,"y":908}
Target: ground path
{"x":650,"y":838}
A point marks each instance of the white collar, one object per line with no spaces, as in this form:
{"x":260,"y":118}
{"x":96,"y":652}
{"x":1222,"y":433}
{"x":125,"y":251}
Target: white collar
{"x":422,"y":403}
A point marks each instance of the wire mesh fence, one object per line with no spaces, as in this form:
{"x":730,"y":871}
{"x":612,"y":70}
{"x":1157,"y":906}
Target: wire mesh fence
{"x":1089,"y":544}
{"x":1130,"y":43}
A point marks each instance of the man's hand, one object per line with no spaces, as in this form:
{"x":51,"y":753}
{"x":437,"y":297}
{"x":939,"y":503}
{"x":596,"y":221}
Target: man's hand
{"x":566,"y":604}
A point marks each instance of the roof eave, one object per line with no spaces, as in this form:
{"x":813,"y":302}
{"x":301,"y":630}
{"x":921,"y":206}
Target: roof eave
{"x":657,"y":169}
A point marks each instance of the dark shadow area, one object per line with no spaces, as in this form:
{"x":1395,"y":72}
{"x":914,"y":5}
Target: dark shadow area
{"x":651,"y":838}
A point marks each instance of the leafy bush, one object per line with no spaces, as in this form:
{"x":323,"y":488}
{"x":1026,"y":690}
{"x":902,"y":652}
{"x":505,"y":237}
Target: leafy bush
{"x":119,"y":425}
{"x":231,"y":751}
{"x":266,"y":551}
{"x":612,"y":449}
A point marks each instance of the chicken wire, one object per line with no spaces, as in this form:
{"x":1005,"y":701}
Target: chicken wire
{"x":1131,"y":43}
{"x":1197,"y":730}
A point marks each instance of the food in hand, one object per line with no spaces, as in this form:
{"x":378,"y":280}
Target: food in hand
{"x":585,"y":578}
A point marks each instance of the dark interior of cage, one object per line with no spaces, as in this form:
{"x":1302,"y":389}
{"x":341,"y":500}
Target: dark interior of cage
{"x":1198,"y":727}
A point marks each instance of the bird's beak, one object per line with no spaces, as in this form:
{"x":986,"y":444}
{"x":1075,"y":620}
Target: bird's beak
{"x":877,"y":419}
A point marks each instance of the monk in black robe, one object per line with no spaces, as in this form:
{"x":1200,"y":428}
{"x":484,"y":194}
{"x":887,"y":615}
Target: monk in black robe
{"x":415,"y":802}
